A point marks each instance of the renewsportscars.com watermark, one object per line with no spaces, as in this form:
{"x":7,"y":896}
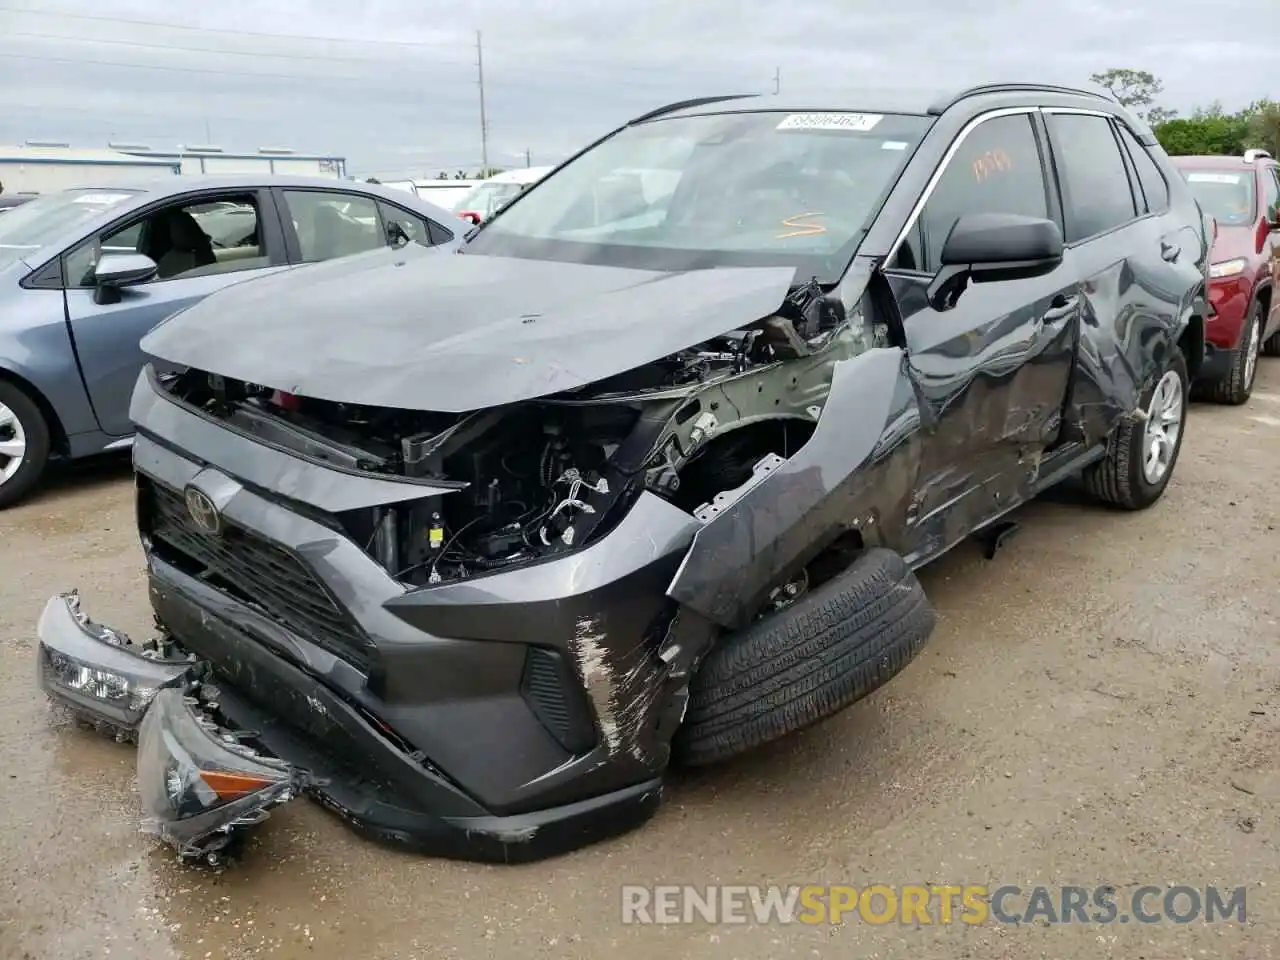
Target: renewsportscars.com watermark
{"x":920,"y":904}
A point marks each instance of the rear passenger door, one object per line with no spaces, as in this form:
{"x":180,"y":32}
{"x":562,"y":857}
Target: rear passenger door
{"x":991,"y":371}
{"x":328,"y":224}
{"x":1136,"y":260}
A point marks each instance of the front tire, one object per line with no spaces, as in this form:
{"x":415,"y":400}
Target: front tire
{"x":1142,"y":452}
{"x":24,"y":444}
{"x":805,"y":662}
{"x":1237,"y":385}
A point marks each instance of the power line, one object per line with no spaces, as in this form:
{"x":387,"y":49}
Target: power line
{"x":100,"y":18}
{"x":421,"y":45}
{"x":170,"y":48}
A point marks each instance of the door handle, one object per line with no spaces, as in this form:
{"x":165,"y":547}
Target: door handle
{"x":1062,"y":305}
{"x":1169,"y":251}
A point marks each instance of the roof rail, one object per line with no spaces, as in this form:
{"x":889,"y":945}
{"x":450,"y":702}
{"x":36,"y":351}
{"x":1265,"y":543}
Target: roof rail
{"x":686,"y":104}
{"x":940,"y":106}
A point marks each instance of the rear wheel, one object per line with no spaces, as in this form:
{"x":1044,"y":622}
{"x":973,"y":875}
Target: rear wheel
{"x":1237,"y":385}
{"x":24,"y":444}
{"x":817,"y":652}
{"x":1143,"y":451}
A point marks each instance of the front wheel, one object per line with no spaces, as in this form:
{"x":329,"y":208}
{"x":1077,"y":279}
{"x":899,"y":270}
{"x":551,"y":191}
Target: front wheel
{"x":1143,"y":450}
{"x":24,"y":444}
{"x":1237,"y":385}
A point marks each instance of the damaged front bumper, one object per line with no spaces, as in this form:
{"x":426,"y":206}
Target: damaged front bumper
{"x":212,"y":764}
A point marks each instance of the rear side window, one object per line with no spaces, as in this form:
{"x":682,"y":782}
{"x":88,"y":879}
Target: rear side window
{"x":996,"y":169}
{"x":1096,"y":193}
{"x":1271,"y":192}
{"x":1155,"y":189}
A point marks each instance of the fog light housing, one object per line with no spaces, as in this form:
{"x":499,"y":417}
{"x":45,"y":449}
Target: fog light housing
{"x":99,"y":673}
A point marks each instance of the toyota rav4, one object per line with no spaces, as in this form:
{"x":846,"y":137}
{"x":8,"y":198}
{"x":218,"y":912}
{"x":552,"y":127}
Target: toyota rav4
{"x":470,"y":547}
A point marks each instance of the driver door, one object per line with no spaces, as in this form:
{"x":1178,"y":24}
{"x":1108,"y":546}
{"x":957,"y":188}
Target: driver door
{"x":991,"y":372}
{"x":200,"y":243}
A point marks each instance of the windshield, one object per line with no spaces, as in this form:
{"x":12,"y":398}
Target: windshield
{"x":746,"y":189}
{"x":37,"y":223}
{"x":1227,"y":196}
{"x":486,"y":198}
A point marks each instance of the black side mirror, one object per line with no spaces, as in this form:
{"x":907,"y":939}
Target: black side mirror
{"x":396,"y":234}
{"x":990,"y":247}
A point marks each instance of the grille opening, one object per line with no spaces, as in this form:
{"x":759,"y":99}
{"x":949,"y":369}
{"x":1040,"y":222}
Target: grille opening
{"x":254,"y":571}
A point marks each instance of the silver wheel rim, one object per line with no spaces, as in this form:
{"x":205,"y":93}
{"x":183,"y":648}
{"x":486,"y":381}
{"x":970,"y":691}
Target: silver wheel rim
{"x":1251,"y":353}
{"x":1164,"y":426}
{"x":13,"y":444}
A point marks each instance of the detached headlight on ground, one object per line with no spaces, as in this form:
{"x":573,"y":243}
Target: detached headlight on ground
{"x":100,"y":674}
{"x":199,"y":784}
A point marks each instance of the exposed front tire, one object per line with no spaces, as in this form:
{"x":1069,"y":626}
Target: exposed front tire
{"x":24,"y":444}
{"x":1142,"y":452}
{"x":807,"y":661}
{"x":1237,"y":385}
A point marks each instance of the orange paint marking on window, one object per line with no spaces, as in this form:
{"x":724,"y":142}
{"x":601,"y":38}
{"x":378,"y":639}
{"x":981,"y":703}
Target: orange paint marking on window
{"x":802,"y":229}
{"x":991,"y":162}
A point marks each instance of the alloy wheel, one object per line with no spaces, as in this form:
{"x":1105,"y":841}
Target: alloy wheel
{"x":1164,"y":426}
{"x":13,"y":443}
{"x":1252,"y":349}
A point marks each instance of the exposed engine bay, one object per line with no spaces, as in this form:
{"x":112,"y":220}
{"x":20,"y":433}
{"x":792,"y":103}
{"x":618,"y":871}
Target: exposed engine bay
{"x":532,"y":479}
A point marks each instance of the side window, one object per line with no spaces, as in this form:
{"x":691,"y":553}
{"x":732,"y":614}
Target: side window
{"x":996,"y":169}
{"x":192,"y":239}
{"x":1096,"y":192}
{"x":1154,"y":186}
{"x":418,"y":229}
{"x":1271,"y":192}
{"x":331,"y":224}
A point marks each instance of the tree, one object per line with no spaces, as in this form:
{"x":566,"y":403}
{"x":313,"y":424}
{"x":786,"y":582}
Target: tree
{"x":443,"y":175}
{"x":1136,"y":89}
{"x":488,"y":172}
{"x":1264,"y":126}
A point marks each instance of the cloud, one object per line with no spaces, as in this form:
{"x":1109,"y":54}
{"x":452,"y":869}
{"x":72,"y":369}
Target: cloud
{"x":392,"y":85}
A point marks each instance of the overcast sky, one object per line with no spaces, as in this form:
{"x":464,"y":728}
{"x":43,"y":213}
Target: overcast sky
{"x":391,"y":84}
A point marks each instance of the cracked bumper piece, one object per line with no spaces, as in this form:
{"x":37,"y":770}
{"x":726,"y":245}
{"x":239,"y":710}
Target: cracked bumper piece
{"x":100,"y":674}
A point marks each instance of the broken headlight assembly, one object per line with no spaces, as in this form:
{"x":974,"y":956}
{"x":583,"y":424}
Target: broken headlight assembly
{"x":201,"y":785}
{"x":102,"y":676}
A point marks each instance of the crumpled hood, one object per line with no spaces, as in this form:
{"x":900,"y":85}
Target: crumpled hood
{"x":454,"y":333}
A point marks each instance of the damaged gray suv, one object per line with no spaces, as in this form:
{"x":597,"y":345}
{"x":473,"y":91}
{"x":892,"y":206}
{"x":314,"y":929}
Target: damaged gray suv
{"x":470,"y":548}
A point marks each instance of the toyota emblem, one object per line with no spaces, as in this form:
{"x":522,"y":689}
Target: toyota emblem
{"x":203,"y":512}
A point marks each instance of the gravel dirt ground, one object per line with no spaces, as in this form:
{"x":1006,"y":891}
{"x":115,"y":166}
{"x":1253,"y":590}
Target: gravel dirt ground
{"x":1099,"y":704}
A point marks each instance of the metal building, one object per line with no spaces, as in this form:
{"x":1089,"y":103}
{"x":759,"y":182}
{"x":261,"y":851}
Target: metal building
{"x":42,"y":166}
{"x":216,"y":160}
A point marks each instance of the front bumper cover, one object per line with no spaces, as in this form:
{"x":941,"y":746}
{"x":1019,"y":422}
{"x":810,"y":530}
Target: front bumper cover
{"x":211,"y":764}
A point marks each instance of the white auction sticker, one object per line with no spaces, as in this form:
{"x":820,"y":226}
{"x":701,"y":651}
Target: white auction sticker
{"x":894,"y":145}
{"x":1213,"y":178}
{"x":101,"y":199}
{"x":857,"y":122}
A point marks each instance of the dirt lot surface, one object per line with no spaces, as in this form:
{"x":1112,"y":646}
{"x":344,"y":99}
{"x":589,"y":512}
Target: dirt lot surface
{"x":1099,"y":704}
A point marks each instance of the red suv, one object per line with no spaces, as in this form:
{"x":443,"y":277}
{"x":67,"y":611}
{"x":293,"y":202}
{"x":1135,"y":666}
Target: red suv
{"x":1242,"y":195}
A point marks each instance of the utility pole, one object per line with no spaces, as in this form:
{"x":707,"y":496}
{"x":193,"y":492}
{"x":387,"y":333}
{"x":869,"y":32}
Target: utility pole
{"x":528,"y":157}
{"x":777,"y":80}
{"x":484,"y":121}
